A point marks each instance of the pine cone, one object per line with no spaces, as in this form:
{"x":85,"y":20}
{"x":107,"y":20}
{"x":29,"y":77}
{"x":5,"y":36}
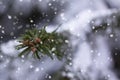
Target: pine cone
{"x":37,"y":40}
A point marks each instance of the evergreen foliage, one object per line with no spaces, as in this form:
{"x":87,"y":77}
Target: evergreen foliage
{"x":40,"y":43}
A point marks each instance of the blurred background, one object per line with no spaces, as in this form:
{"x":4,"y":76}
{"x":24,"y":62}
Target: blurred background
{"x":94,"y":27}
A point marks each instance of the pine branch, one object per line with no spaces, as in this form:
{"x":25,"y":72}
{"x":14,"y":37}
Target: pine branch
{"x":42,"y":43}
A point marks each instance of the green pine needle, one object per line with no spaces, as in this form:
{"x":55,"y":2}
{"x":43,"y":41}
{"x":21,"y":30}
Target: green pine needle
{"x":39,"y":43}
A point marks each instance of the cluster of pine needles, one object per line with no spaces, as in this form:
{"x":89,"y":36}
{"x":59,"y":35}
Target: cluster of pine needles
{"x":39,"y":43}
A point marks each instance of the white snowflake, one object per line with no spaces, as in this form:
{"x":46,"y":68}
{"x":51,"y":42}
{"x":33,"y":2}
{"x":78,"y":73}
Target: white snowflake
{"x":31,"y":21}
{"x":3,"y":31}
{"x":111,"y":35}
{"x":66,"y":41}
{"x":40,"y":0}
{"x":20,"y":0}
{"x":49,"y":77}
{"x":1,"y":37}
{"x":41,"y":69}
{"x":53,"y":49}
{"x":37,"y":69}
{"x":31,"y":66}
{"x":9,"y":17}
{"x":50,"y":4}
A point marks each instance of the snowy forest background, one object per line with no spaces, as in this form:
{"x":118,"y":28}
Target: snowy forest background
{"x":94,"y":26}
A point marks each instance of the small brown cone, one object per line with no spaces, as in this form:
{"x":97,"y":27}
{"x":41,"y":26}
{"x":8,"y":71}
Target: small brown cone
{"x":31,"y":44}
{"x":33,"y":49}
{"x":37,"y":40}
{"x":26,"y":42}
